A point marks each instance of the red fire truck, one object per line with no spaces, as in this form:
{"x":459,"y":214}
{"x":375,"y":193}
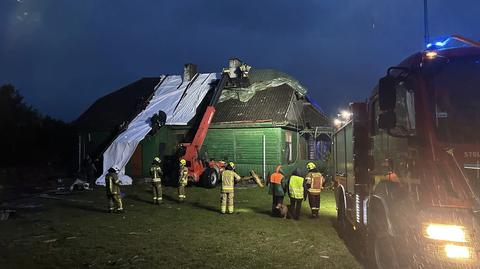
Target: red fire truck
{"x":407,"y":163}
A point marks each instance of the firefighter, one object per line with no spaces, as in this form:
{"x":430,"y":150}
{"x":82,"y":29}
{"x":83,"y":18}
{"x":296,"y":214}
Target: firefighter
{"x":314,"y":181}
{"x":182,"y":180}
{"x":277,"y":190}
{"x":112,"y":184}
{"x":156,"y":173}
{"x":296,"y":192}
{"x":229,"y":178}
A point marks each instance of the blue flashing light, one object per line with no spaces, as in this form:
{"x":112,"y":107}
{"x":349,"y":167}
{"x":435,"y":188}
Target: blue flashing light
{"x":439,"y":44}
{"x":442,"y":43}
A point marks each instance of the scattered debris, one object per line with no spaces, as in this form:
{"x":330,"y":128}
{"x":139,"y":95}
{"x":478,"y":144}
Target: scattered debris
{"x":257,"y":179}
{"x":5,"y":213}
{"x":80,"y":185}
{"x":61,"y":184}
{"x":110,"y":262}
{"x":136,"y":233}
{"x":70,"y":237}
{"x":47,"y":196}
{"x":38,"y":236}
{"x":50,"y":240}
{"x":136,"y":258}
{"x":28,"y":206}
{"x":325,"y":257}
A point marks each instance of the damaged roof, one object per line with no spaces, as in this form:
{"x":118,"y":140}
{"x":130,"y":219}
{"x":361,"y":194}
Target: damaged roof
{"x":273,"y":96}
{"x":111,"y":110}
{"x":267,"y":105}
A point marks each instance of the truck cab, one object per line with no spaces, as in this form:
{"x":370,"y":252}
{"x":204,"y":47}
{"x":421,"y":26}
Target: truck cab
{"x":408,"y":168}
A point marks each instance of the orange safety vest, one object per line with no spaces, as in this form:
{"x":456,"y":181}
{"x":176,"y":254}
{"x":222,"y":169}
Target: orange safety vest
{"x":276,"y":178}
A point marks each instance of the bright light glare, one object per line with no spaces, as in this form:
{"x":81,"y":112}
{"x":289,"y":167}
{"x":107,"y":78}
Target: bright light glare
{"x":457,"y":252}
{"x":442,"y":43}
{"x":346,"y":114}
{"x":439,"y":44}
{"x":445,"y":232}
{"x":337,"y":122}
{"x":431,"y":54}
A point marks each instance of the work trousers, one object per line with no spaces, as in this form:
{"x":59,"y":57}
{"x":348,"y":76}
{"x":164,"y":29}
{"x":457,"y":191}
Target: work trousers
{"x":115,"y":202}
{"x":295,"y":207}
{"x":275,"y":201}
{"x":157,"y":192}
{"x":227,"y":202}
{"x":314,"y":201}
{"x":181,"y":192}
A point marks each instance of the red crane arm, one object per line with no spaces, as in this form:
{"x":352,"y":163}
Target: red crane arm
{"x":193,"y":148}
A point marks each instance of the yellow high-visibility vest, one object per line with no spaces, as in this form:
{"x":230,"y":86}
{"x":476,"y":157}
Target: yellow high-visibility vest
{"x":296,"y":187}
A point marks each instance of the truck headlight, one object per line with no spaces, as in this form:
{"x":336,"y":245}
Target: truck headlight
{"x":458,"y":252}
{"x":445,"y":232}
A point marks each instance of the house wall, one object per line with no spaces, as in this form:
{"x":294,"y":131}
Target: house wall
{"x":244,"y":146}
{"x":162,"y":144}
{"x":92,"y":141}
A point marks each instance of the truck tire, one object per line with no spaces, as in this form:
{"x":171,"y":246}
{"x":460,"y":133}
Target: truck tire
{"x":211,"y":178}
{"x":341,"y":219}
{"x":385,"y":255}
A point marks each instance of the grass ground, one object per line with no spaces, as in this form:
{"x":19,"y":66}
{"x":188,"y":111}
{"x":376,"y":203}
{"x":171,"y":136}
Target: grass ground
{"x":79,"y":234}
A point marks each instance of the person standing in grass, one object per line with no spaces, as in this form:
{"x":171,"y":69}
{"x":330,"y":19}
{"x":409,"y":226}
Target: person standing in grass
{"x":314,"y":186}
{"x":182,"y":180}
{"x":112,"y":184}
{"x":277,"y":190}
{"x":156,"y":173}
{"x":296,"y":192}
{"x":229,"y":178}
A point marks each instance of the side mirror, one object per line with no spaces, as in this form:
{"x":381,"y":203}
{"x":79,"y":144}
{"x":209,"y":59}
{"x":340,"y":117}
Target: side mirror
{"x":386,"y":93}
{"x":387,"y":120}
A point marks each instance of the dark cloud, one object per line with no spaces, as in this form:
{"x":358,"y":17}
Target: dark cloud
{"x":63,"y":55}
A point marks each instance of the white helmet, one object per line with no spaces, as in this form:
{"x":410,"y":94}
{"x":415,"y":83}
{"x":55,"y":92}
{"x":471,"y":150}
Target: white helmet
{"x":115,"y":167}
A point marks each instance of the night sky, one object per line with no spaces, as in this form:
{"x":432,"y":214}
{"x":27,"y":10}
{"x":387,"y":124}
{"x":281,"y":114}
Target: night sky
{"x":63,"y":55}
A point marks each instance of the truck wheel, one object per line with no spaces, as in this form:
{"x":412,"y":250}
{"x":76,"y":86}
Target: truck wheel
{"x":341,"y":220}
{"x":211,"y":178}
{"x":384,"y":252}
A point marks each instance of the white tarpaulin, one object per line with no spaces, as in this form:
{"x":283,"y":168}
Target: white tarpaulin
{"x":170,"y":92}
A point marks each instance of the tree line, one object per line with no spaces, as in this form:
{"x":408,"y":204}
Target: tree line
{"x":28,"y":138}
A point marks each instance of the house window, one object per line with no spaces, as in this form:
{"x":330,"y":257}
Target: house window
{"x":288,"y":147}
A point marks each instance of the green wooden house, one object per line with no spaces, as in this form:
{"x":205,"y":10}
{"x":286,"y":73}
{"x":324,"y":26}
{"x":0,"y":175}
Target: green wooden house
{"x":270,"y":122}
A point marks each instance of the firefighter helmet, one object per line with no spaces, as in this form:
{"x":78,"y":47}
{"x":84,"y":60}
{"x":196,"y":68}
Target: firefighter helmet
{"x":156,"y":159}
{"x":183,"y":162}
{"x":115,"y":167}
{"x":311,"y":166}
{"x":232,"y":165}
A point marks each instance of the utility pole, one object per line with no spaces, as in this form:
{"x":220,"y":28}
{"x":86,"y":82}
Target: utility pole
{"x":425,"y":21}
